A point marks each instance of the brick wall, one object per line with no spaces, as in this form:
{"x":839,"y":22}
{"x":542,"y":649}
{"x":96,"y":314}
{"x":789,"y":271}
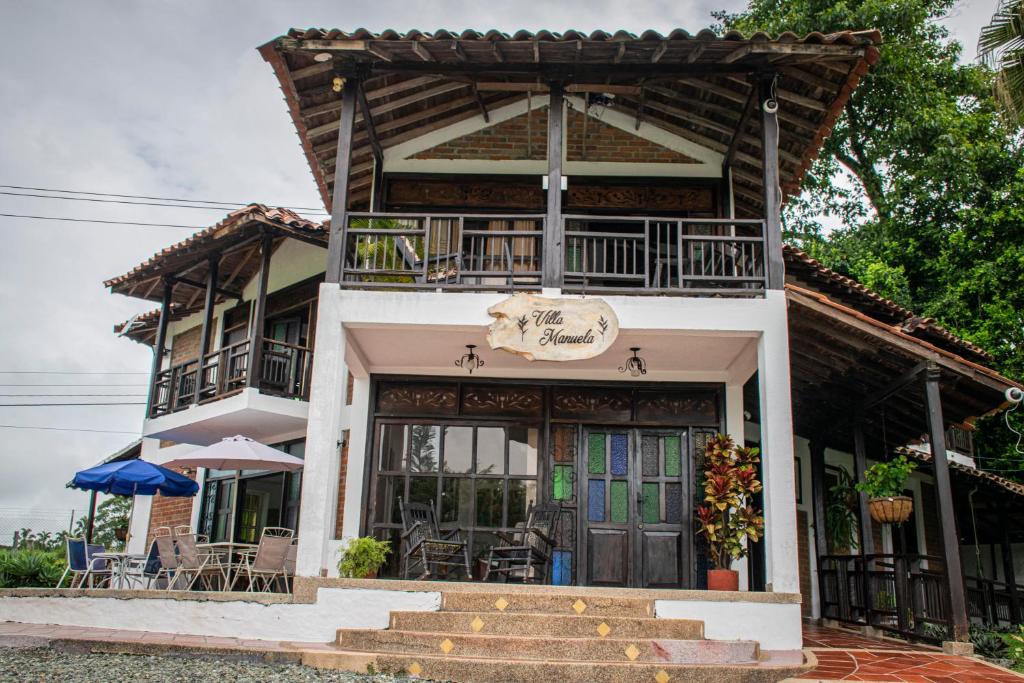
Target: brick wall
{"x":519,"y":139}
{"x":339,"y":516}
{"x":185,"y":345}
{"x":804,"y":552}
{"x":170,"y":511}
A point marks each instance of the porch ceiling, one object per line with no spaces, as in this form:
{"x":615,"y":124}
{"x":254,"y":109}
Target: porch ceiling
{"x":697,"y":87}
{"x":670,"y":356}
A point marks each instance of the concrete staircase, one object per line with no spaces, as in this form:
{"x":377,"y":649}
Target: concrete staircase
{"x":482,"y":637}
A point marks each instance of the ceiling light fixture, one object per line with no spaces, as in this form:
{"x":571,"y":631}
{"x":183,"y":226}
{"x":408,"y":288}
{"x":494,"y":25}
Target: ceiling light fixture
{"x":322,"y":57}
{"x":635,"y":365}
{"x":470,"y":361}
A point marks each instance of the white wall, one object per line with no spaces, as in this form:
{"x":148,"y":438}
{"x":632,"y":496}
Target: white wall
{"x":776,"y":626}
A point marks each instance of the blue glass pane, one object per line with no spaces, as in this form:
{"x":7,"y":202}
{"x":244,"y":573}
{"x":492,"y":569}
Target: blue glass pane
{"x":561,"y":574}
{"x":620,"y":454}
{"x":595,"y":500}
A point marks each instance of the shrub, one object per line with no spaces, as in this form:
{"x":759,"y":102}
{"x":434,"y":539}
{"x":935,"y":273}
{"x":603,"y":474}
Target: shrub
{"x":362,"y":557}
{"x":988,"y":643}
{"x":30,"y":568}
{"x":729,"y":516}
{"x":886,"y":479}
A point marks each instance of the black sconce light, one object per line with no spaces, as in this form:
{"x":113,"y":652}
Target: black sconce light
{"x":635,"y":365}
{"x":470,"y":361}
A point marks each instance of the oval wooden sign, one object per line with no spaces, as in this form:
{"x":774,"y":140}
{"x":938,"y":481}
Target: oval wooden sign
{"x":538,"y":328}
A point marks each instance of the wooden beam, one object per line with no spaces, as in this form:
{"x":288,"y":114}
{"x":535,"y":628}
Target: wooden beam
{"x":619,"y":53}
{"x":611,"y":89}
{"x":659,"y":52}
{"x":254,"y":372}
{"x":906,"y":379}
{"x":391,"y":106}
{"x":496,"y":52}
{"x":505,"y":86}
{"x":797,"y":98}
{"x":457,"y":50}
{"x":737,"y":54}
{"x":421,"y":52}
{"x":808,"y":77}
{"x":553,"y":229}
{"x":342,"y":164}
{"x":371,"y":131}
{"x":734,"y":143}
{"x":483,"y":107}
{"x":772,"y":190}
{"x":161,"y":340}
{"x":202,"y":286}
{"x":639,"y":111}
{"x":207,"y":329}
{"x":844,"y":51}
{"x":947,"y":515}
{"x":312,"y":70}
{"x":696,"y":52}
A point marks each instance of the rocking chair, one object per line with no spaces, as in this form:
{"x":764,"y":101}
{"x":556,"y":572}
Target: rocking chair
{"x":525,"y":555}
{"x":428,"y":549}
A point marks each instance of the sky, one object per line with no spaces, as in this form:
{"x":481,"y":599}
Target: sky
{"x":169,"y":100}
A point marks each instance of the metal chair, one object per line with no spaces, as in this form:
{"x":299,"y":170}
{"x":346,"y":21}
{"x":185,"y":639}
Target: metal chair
{"x":82,"y":566}
{"x":427,"y":547}
{"x":269,"y":562}
{"x":525,"y":555}
{"x":195,"y":564}
{"x":280,"y":531}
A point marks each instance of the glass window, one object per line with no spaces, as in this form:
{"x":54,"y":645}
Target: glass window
{"x":521,"y":494}
{"x":424,"y":448}
{"x":392,"y":447}
{"x":490,"y":450}
{"x":423,"y":490}
{"x":490,"y":498}
{"x":457,"y":502}
{"x":458,"y":450}
{"x":522,"y":451}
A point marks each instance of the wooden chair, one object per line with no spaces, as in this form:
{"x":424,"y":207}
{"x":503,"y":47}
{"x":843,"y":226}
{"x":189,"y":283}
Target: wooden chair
{"x":525,"y":554}
{"x":426,"y":547}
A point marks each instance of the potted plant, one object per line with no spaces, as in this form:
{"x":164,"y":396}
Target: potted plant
{"x":362,"y":558}
{"x":883,"y":483}
{"x":729,"y":517}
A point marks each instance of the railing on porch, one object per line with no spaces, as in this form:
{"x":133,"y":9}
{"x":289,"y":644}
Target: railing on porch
{"x":616,"y":254}
{"x":903,"y":594}
{"x":285,"y":372}
{"x":994,"y":602}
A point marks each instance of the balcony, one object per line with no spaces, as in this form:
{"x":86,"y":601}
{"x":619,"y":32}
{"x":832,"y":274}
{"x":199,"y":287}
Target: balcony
{"x":589,"y":254}
{"x":284,"y":372}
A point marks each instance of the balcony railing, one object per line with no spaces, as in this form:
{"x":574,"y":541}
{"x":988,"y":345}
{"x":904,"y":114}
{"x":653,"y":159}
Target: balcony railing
{"x":614,"y":254}
{"x":284,"y":372}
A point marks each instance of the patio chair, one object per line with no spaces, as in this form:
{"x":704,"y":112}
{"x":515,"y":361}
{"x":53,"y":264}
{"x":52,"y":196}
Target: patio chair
{"x":195,"y":564}
{"x":268,"y":564}
{"x":80,"y":567}
{"x":168,"y":559}
{"x":96,"y":568}
{"x":283,"y":532}
{"x":426,"y":547}
{"x":146,"y":570}
{"x":289,"y":565}
{"x":525,"y":555}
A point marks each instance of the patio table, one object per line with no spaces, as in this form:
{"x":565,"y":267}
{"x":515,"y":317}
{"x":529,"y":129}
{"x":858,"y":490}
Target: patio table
{"x":119,"y":562}
{"x":229,"y":550}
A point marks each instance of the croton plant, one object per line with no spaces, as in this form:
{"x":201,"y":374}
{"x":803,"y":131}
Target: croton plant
{"x":728,"y":515}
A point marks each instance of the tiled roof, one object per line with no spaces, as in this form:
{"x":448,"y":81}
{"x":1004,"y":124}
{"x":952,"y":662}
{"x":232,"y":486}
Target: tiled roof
{"x":1008,"y":484}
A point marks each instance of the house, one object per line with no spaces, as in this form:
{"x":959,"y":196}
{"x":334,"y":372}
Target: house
{"x":553,"y":270}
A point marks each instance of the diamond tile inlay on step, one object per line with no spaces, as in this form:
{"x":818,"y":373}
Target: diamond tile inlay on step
{"x":579,"y":606}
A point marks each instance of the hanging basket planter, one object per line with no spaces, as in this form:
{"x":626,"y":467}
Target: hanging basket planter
{"x":891,"y":510}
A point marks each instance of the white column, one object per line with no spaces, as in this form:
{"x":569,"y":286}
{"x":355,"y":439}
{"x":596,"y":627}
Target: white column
{"x":323,"y":434}
{"x":781,"y":556}
{"x":357,"y":459}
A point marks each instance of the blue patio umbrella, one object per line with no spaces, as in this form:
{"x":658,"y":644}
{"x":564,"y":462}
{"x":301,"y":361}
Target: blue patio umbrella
{"x":134,"y":478}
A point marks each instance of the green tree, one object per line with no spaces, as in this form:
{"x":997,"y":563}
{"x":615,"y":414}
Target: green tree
{"x":1001,"y":46}
{"x":924,"y":175}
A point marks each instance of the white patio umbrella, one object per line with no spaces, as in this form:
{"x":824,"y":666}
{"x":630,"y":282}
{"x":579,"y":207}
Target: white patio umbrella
{"x":237,"y":453}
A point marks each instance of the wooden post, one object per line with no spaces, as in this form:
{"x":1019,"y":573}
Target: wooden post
{"x":161,"y":341}
{"x":554,"y":229}
{"x":860,"y":464}
{"x":772,"y":190}
{"x":1009,"y":575}
{"x":819,"y":495}
{"x":947,"y":517}
{"x":342,"y":166}
{"x":254,"y":374}
{"x":204,"y":336}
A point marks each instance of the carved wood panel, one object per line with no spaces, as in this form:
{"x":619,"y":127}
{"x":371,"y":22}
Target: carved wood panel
{"x":675,"y":408}
{"x":443,"y":193}
{"x":418,"y":399}
{"x":503,"y":401}
{"x":592,"y":403}
{"x":642,"y":197}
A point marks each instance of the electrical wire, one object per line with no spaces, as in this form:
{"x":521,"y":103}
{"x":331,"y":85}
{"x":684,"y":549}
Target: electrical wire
{"x":118,"y":201}
{"x":70,"y":429}
{"x":73,"y":385}
{"x":97,"y":220}
{"x":165,"y":199}
{"x":69,"y":395}
{"x":51,"y":405}
{"x":67,"y":372}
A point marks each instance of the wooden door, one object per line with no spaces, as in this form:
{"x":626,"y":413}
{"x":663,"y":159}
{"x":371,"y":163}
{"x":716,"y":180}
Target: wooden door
{"x":608,"y":511}
{"x":664,"y":530}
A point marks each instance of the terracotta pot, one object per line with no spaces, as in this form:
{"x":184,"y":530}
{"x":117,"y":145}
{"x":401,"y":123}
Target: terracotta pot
{"x":121,"y":533}
{"x":723,"y":580}
{"x":891,"y":510}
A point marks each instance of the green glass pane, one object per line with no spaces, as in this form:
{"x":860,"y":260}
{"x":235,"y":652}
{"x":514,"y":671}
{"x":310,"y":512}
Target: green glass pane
{"x":651,"y":507}
{"x":620,"y":502}
{"x":563,"y":482}
{"x":595,"y":454}
{"x":673,"y":457}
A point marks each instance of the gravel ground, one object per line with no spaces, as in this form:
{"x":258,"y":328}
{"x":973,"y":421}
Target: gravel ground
{"x":44,"y":664}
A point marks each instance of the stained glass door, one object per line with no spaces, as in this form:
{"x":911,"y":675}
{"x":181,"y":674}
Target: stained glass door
{"x":608,"y":493}
{"x":663,"y":530}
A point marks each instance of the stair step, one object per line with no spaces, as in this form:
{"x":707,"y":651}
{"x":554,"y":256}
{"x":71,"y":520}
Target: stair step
{"x":546,"y":625}
{"x":591,"y":649}
{"x":588,"y":605}
{"x":480,"y":670}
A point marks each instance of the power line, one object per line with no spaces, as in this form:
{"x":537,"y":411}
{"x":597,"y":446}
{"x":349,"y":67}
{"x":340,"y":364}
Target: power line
{"x":139,"y":196}
{"x":69,"y":429}
{"x":96,"y":220}
{"x":66,"y":372}
{"x":118,"y":201}
{"x":51,"y":405}
{"x":73,"y":385}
